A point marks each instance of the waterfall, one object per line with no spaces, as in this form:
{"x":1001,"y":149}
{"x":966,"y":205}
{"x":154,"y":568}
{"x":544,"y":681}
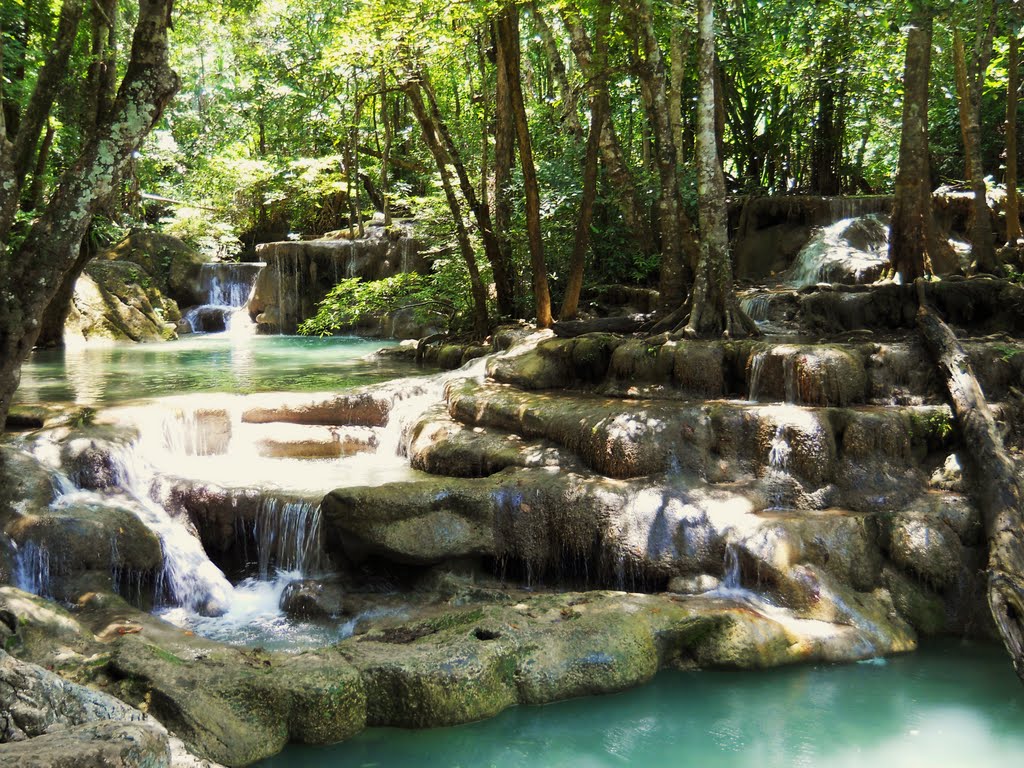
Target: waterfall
{"x":228,"y":287}
{"x":757,"y":306}
{"x":730,"y":568}
{"x":288,"y":536}
{"x":32,"y":569}
{"x":852,"y":250}
{"x":777,"y":478}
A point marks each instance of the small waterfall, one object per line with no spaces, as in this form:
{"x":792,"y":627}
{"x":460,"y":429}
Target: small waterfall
{"x":228,"y":287}
{"x":32,"y":569}
{"x":777,"y":478}
{"x":852,"y":250}
{"x":767,"y":362}
{"x":731,"y":568}
{"x":757,"y":364}
{"x":288,"y":537}
{"x":757,"y":306}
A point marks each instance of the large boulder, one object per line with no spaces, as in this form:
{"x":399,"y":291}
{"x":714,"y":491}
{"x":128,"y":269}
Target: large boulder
{"x":117,"y":300}
{"x":172,"y":266}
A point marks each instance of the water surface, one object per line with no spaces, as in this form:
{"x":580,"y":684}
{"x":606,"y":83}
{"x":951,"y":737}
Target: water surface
{"x":950,"y":704}
{"x":122,"y":372}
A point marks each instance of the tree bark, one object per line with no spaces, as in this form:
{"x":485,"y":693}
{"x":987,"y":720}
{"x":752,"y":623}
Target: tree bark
{"x":1013,"y":232}
{"x":31,"y":274}
{"x":715,"y":308}
{"x":507,"y":25}
{"x":481,"y":324}
{"x":913,"y":229}
{"x":997,"y":490}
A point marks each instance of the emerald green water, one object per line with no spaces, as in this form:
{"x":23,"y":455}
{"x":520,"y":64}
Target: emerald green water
{"x":107,"y":375}
{"x":948,"y":705}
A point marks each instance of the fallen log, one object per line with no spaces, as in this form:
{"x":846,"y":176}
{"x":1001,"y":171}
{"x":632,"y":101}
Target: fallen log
{"x":997,"y":490}
{"x":573,"y":328}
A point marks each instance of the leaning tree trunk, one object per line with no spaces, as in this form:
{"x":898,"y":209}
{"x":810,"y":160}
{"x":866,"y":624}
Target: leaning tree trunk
{"x":442,"y":159}
{"x":714,"y":307}
{"x":997,"y":490}
{"x":32,"y":273}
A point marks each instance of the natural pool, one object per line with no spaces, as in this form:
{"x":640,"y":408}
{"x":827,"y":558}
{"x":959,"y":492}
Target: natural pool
{"x":950,"y":704}
{"x":104,"y":375}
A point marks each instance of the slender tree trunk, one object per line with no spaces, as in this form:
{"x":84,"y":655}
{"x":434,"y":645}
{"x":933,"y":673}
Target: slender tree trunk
{"x":913,"y":228}
{"x":969,"y":90}
{"x":481,"y":324}
{"x":30,"y":123}
{"x":32,"y":273}
{"x":504,"y":160}
{"x":385,"y":155}
{"x":714,"y":308}
{"x":630,"y":199}
{"x":507,"y":25}
{"x":1013,"y":232}
{"x":499,"y":266}
{"x":568,"y":95}
{"x":651,"y":73}
{"x":581,"y":242}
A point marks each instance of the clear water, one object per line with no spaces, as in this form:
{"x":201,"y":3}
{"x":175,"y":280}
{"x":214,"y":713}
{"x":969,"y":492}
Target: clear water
{"x":947,"y":705}
{"x":106,"y":375}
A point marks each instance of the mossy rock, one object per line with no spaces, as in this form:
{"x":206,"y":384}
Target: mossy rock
{"x":171,"y":264}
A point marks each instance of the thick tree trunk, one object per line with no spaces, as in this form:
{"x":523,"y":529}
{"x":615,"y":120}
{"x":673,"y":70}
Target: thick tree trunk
{"x":629,"y":197}
{"x":481,"y":324}
{"x":30,"y":275}
{"x":714,"y":308}
{"x":913,"y":229}
{"x":1013,"y":232}
{"x":994,"y":479}
{"x":507,"y":25}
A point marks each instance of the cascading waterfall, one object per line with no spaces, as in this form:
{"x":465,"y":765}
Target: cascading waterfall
{"x":757,"y":306}
{"x":32,"y":569}
{"x":731,"y":568}
{"x":850,"y":250}
{"x":288,"y":537}
{"x":228,"y":287}
{"x":777,"y":477}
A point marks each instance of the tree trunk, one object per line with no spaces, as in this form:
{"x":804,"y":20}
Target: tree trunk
{"x":715,"y":308}
{"x":569,"y":105}
{"x":30,"y":122}
{"x":629,"y":197}
{"x":581,"y":243}
{"x":913,"y":228}
{"x":651,"y":73}
{"x":1013,"y":232}
{"x":997,"y":490}
{"x":31,"y":274}
{"x":504,"y":160}
{"x":481,"y":324}
{"x":983,"y":250}
{"x":507,"y":26}
{"x":679,"y":44}
{"x":499,"y":266}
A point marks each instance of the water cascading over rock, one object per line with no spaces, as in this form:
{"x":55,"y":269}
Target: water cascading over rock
{"x":227,"y":287}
